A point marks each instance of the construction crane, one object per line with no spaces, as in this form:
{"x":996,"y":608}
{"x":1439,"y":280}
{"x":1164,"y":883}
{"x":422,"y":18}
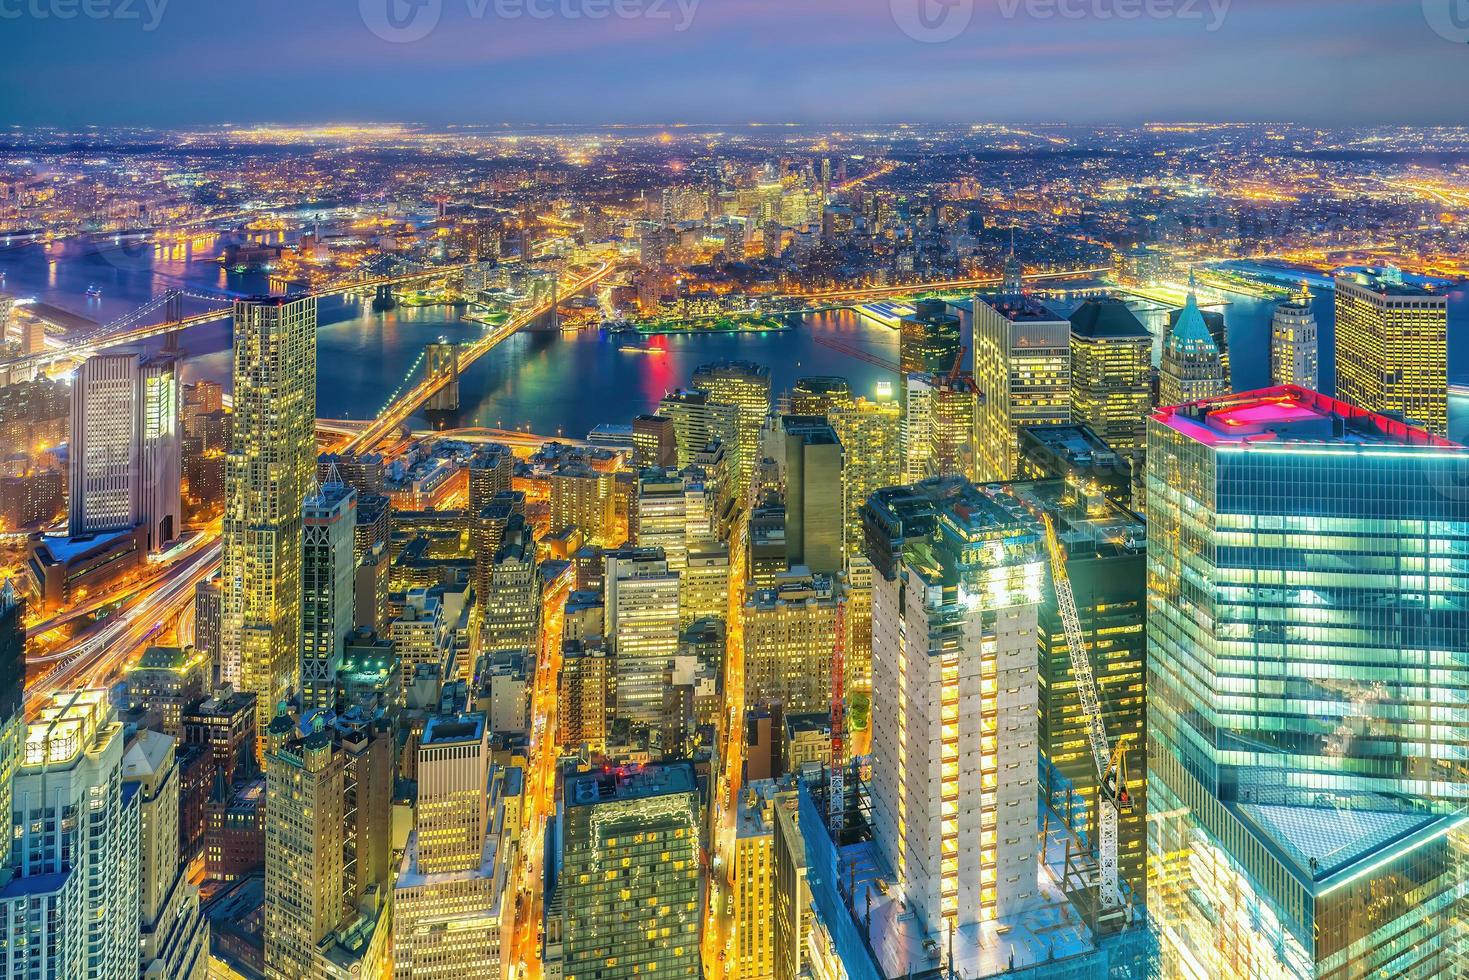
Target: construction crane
{"x":836,"y":796}
{"x":853,"y":350}
{"x":1113,"y":800}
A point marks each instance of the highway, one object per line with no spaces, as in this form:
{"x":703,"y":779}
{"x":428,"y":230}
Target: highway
{"x":102,"y":651}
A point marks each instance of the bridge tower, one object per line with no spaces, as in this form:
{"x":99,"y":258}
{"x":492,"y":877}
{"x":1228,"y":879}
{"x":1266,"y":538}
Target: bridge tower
{"x":173,"y":312}
{"x":384,"y":300}
{"x":441,"y":360}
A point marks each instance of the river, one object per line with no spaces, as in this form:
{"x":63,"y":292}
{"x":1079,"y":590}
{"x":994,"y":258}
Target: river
{"x":550,"y":382}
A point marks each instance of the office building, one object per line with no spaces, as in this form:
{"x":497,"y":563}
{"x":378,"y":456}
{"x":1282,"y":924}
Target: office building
{"x":929,"y":339}
{"x":328,"y":611}
{"x":789,"y":636}
{"x":1106,"y":556}
{"x":957,"y":588}
{"x":12,"y":698}
{"x":583,"y":497}
{"x":820,"y":395}
{"x":225,"y":725}
{"x":654,"y":441}
{"x":454,"y":923}
{"x":939,"y":425}
{"x":869,"y":432}
{"x":1075,"y":453}
{"x":811,"y":471}
{"x":1022,"y":363}
{"x":1192,"y":368}
{"x":269,"y":469}
{"x":1111,"y":374}
{"x":166,"y":682}
{"x":698,"y":420}
{"x":370,"y":550}
{"x":792,"y":895}
{"x":1305,"y":791}
{"x":645,"y":823}
{"x":1392,"y":348}
{"x":1218,"y":332}
{"x":512,"y":602}
{"x":421,"y":633}
{"x":584,"y":695}
{"x":173,"y":935}
{"x":746,"y":386}
{"x":642,"y":630}
{"x":125,"y":447}
{"x":73,"y":847}
{"x":753,"y":872}
{"x":491,"y":470}
{"x":704,"y":584}
{"x":1295,"y":357}
{"x":313,"y":926}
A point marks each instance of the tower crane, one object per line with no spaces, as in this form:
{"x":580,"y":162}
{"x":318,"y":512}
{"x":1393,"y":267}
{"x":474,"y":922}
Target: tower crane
{"x":1113,"y":799}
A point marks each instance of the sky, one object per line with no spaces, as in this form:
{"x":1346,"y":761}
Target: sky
{"x":440,"y":62}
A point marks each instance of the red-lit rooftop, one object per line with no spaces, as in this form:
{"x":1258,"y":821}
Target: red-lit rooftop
{"x":1289,"y":414}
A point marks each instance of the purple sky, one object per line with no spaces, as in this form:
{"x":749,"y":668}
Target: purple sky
{"x":725,"y":61}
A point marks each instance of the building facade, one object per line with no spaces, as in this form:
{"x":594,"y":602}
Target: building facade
{"x":1022,"y":363}
{"x":1307,"y":782}
{"x":1392,"y":348}
{"x":269,"y":469}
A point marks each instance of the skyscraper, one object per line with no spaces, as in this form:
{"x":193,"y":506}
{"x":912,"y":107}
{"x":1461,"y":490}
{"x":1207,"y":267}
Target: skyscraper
{"x":643,"y":823}
{"x":698,"y":420}
{"x":173,"y":936}
{"x":1022,"y":364}
{"x":642,"y":628}
{"x":1111,"y":374}
{"x":958,"y":579}
{"x":929,"y":339}
{"x":1192,"y":367}
{"x":746,"y":386}
{"x":939,"y":425}
{"x":305,"y":825}
{"x":328,"y":600}
{"x":1392,"y":348}
{"x":12,"y":698}
{"x":789,"y":636}
{"x":269,"y":470}
{"x":125,"y":447}
{"x":869,"y":432}
{"x":1294,"y":350}
{"x":450,"y":914}
{"x":74,"y":847}
{"x":1306,"y":766}
{"x":812,"y":470}
{"x":820,"y":395}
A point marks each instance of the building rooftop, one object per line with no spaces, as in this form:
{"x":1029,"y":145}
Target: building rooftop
{"x":629,"y":783}
{"x":1022,"y":309}
{"x":1324,"y":846}
{"x":1108,"y":319}
{"x":1389,"y":282}
{"x":1290,"y":417}
{"x":445,"y":729}
{"x":1086,"y":525}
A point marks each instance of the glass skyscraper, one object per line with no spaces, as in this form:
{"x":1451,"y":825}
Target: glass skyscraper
{"x":1308,"y":689}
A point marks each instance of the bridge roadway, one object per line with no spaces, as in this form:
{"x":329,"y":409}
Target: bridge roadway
{"x":398,"y":413}
{"x":132,"y":334}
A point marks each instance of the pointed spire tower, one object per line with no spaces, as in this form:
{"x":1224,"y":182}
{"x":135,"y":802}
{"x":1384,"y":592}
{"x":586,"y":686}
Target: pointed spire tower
{"x":1192,"y":367}
{"x":1013,"y":277}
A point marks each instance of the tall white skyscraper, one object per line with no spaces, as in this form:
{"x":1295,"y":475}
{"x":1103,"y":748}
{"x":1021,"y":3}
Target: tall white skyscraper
{"x":957,"y":583}
{"x":125,"y":446}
